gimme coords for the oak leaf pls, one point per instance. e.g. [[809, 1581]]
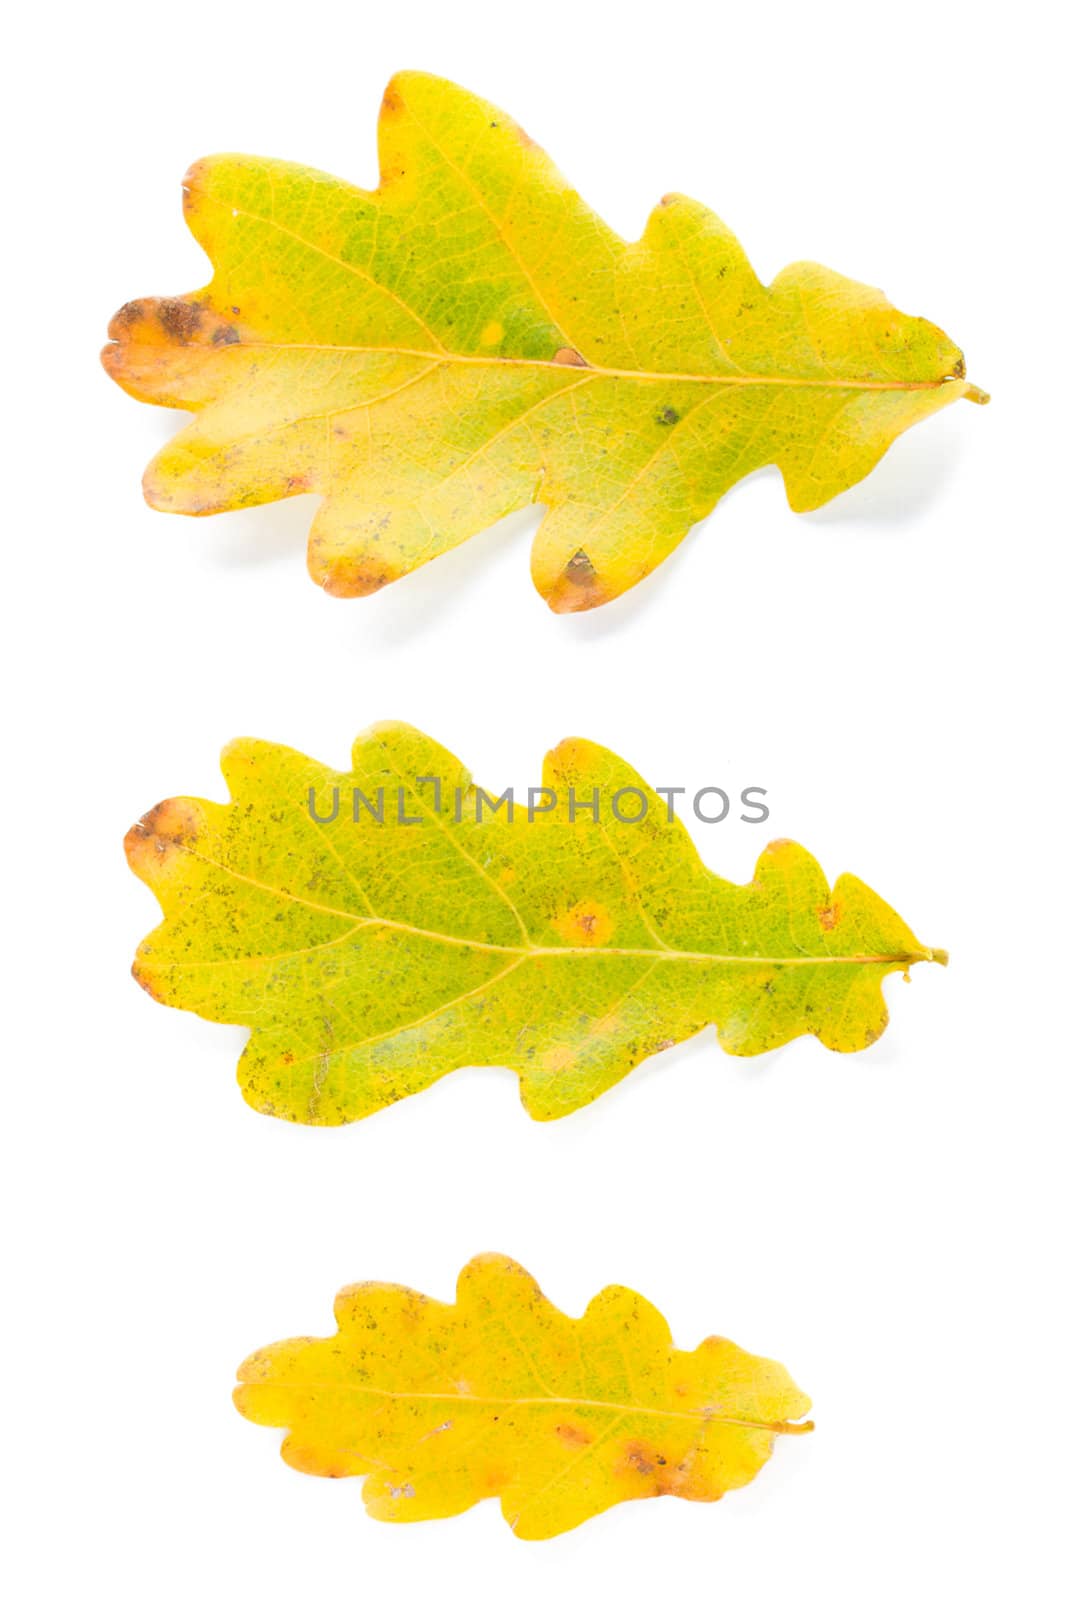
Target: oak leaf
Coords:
[[501, 1395], [470, 337], [370, 957]]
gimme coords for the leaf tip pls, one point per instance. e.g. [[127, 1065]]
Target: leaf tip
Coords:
[[153, 491], [570, 755], [347, 577], [142, 979], [168, 827], [196, 173]]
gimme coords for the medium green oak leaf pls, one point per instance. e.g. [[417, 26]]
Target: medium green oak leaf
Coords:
[[470, 337], [370, 957]]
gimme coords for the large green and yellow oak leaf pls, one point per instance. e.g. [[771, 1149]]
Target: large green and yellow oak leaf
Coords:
[[370, 958], [470, 337], [502, 1396]]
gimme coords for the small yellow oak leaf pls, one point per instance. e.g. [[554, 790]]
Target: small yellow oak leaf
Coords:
[[470, 337], [379, 928], [502, 1396]]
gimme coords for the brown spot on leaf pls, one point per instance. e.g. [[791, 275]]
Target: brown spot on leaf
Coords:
[[658, 1474], [567, 357], [576, 1438], [126, 317], [145, 334], [581, 569], [578, 587], [829, 915], [169, 322], [180, 319], [637, 1458]]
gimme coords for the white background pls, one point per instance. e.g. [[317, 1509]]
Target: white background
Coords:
[[887, 1224]]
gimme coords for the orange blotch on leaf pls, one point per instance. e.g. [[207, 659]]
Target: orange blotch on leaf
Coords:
[[557, 1059], [586, 923], [160, 834], [349, 578], [392, 102]]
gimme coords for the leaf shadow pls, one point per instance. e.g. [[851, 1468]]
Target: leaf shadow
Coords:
[[914, 475], [254, 536], [261, 536], [402, 611], [620, 614]]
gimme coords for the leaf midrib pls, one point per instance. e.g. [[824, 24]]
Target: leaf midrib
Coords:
[[592, 370], [526, 951], [508, 1403]]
